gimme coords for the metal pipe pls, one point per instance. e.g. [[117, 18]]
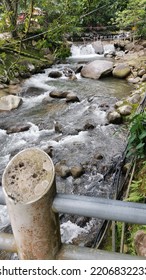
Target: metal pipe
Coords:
[[72, 252], [7, 242], [69, 252], [29, 187], [106, 209]]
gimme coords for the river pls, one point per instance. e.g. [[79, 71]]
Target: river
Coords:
[[76, 133]]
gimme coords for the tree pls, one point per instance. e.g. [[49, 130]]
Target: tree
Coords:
[[11, 7], [133, 17]]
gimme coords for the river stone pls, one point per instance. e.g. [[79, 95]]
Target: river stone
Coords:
[[98, 47], [62, 170], [72, 77], [143, 78], [68, 72], [134, 80], [140, 243], [134, 99], [15, 81], [77, 171], [18, 128], [125, 110], [14, 89], [97, 69], [55, 74], [119, 103], [104, 107], [114, 117], [141, 72], [89, 125], [72, 97], [58, 94], [121, 71], [58, 127], [9, 102], [109, 49], [129, 46]]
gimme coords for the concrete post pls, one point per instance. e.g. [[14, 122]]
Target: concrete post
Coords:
[[29, 187]]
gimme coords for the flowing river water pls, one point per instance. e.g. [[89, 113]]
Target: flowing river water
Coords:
[[75, 133]]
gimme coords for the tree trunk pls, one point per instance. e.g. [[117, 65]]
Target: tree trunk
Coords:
[[12, 9], [30, 16]]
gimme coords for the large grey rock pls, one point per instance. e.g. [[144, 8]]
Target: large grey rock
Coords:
[[9, 102], [122, 70], [96, 69], [98, 47], [109, 49]]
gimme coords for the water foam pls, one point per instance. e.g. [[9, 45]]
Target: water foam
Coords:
[[69, 231]]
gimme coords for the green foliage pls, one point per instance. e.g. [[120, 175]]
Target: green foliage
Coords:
[[133, 16], [137, 139], [135, 192]]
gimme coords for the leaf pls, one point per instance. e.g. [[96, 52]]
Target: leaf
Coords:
[[140, 145], [143, 135]]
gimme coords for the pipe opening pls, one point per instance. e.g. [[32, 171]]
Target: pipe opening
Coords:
[[28, 176]]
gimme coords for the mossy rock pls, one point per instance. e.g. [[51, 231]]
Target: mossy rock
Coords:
[[121, 71]]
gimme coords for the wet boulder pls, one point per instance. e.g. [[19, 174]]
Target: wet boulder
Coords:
[[9, 102], [114, 117], [77, 171], [143, 78], [134, 80], [125, 110], [62, 170], [58, 94], [72, 97], [109, 49], [98, 47], [134, 99], [141, 72], [70, 74], [18, 128], [121, 71], [55, 74], [97, 69]]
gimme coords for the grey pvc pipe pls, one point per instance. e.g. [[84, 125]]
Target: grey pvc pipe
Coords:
[[106, 209], [29, 188], [72, 252]]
